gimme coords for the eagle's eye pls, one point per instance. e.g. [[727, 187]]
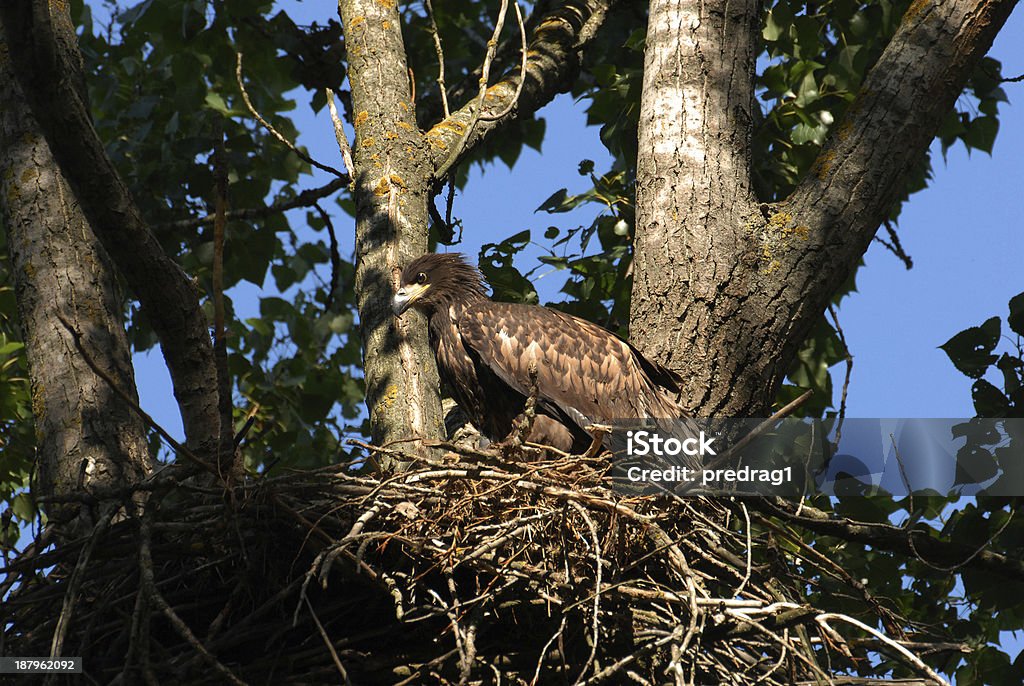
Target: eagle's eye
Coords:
[[421, 278]]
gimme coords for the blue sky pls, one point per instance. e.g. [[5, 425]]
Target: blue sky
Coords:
[[964, 233]]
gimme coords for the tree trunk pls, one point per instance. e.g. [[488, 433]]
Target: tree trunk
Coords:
[[44, 54], [89, 438], [391, 185], [725, 290], [693, 193]]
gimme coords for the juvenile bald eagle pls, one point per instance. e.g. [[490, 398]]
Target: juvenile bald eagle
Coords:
[[484, 350]]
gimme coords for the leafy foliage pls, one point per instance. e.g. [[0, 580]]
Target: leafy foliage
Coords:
[[162, 99], [973, 352], [17, 437]]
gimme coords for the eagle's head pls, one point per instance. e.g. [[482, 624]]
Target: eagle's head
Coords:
[[435, 279]]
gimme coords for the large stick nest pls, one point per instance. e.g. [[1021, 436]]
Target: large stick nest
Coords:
[[461, 570]]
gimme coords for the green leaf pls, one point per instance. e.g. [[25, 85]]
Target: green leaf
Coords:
[[1016, 318], [981, 133], [989, 401], [23, 507], [970, 351], [554, 201]]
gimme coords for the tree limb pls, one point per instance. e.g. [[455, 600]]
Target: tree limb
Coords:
[[823, 229], [911, 542], [306, 198], [43, 49], [551, 66]]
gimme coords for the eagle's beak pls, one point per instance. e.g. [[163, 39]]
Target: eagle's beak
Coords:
[[406, 297]]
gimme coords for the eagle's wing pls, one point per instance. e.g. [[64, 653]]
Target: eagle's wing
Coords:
[[590, 374]]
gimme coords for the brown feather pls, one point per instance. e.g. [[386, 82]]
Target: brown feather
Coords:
[[484, 349]]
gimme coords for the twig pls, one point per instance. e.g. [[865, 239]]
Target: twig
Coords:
[[327, 642], [914, 660], [225, 463], [895, 247], [746, 576], [596, 623], [77, 577], [485, 72], [339, 134], [335, 256], [791, 407], [440, 59], [849, 371], [306, 198], [274, 132]]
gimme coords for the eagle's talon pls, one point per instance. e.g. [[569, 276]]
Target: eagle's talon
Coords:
[[597, 433]]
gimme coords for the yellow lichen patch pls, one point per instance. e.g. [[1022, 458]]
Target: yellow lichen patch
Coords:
[[436, 141], [390, 135], [12, 188], [779, 221], [388, 399], [382, 188], [823, 164], [801, 232], [369, 142], [357, 23], [398, 181], [914, 9], [772, 267], [361, 118], [385, 24], [783, 224], [388, 4], [38, 404], [404, 126], [450, 125]]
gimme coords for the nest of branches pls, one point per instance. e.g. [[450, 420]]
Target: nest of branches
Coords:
[[462, 569]]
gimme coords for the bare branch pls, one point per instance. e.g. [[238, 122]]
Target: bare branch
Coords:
[[893, 538], [440, 58], [552, 63], [522, 71], [270, 129], [485, 72], [306, 198], [339, 134]]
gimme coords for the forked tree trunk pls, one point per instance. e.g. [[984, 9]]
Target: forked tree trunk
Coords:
[[89, 438], [725, 290]]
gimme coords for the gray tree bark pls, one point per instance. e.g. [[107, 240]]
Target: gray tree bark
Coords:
[[44, 54], [391, 183], [89, 439], [725, 290]]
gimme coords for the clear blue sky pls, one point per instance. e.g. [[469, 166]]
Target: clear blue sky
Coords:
[[964, 233]]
